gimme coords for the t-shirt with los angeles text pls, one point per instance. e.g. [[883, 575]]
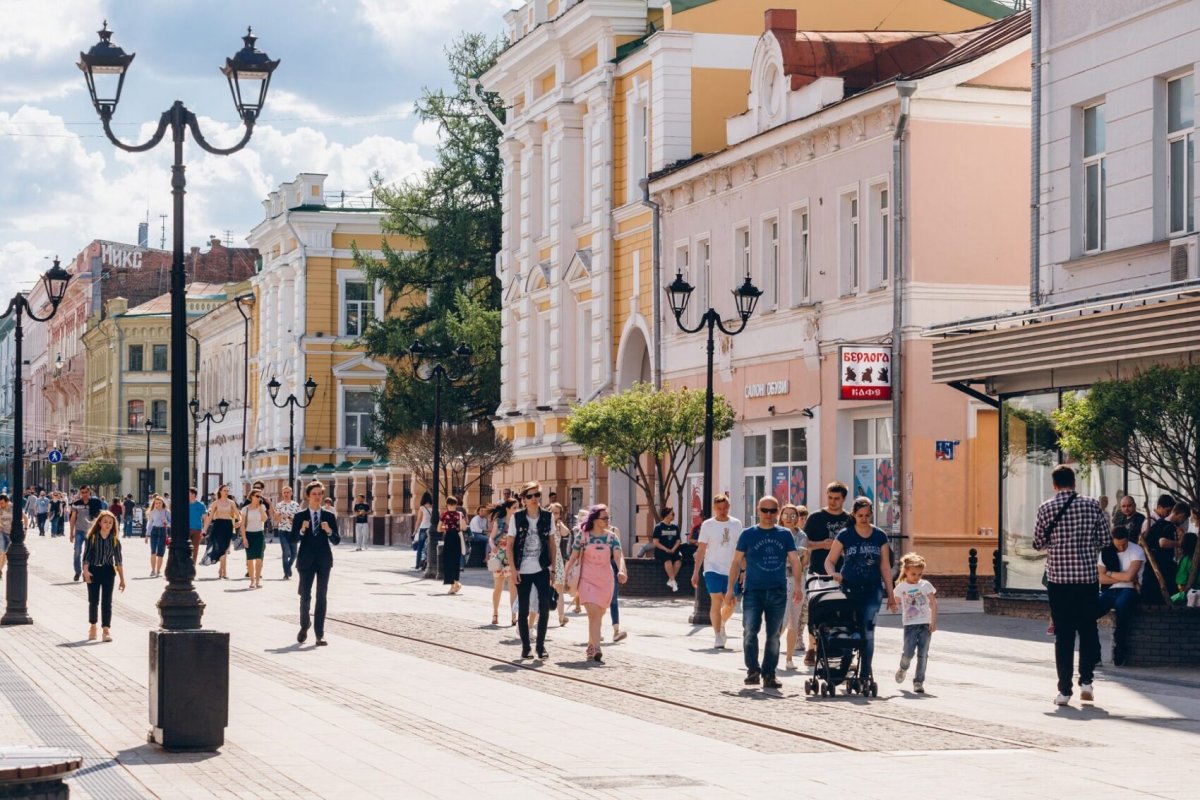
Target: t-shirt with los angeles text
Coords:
[[861, 556], [766, 552], [914, 601], [720, 541]]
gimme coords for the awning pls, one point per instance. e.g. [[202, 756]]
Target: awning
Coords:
[[1155, 331]]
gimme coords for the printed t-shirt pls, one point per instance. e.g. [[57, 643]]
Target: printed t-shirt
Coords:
[[823, 527], [766, 551], [720, 541], [861, 557], [914, 601]]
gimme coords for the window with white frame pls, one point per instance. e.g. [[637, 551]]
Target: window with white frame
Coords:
[[1094, 211], [543, 383], [357, 407], [586, 189], [547, 169], [741, 245], [881, 251], [682, 266], [800, 256], [770, 264], [584, 357], [776, 464], [136, 415], [358, 307], [700, 303], [638, 147], [158, 415], [1181, 154], [873, 478], [754, 475], [849, 243]]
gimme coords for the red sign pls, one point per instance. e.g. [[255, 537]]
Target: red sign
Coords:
[[865, 372]]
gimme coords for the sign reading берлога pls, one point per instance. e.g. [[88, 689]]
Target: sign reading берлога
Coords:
[[865, 372]]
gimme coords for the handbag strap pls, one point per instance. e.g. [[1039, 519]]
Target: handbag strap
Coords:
[[1058, 517]]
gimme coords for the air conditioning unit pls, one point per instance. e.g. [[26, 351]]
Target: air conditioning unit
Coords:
[[1183, 259]]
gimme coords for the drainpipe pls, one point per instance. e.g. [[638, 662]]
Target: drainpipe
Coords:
[[1035, 155], [655, 278], [905, 89], [237, 301], [609, 266]]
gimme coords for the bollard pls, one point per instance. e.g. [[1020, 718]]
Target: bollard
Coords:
[[996, 570], [972, 579]]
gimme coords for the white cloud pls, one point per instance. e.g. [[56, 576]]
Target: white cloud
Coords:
[[289, 107], [23, 263], [48, 30], [428, 133], [407, 21]]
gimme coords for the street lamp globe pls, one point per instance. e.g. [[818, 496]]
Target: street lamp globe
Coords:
[[58, 363], [148, 425], [310, 389], [745, 297], [679, 292], [273, 388], [223, 406], [464, 351], [55, 281], [249, 74], [105, 66], [194, 406], [416, 351]]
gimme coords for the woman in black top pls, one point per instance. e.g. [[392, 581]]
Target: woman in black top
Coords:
[[102, 563], [666, 547]]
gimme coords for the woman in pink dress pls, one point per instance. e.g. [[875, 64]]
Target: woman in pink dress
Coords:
[[596, 549]]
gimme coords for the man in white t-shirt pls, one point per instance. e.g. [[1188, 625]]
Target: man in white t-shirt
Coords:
[[715, 547], [1119, 587]]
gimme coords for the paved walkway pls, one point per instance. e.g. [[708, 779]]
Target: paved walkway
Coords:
[[419, 696]]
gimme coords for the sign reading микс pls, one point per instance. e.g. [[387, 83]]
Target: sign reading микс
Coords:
[[865, 372]]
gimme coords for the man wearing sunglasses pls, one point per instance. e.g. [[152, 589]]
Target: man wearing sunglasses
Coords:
[[765, 551], [531, 550]]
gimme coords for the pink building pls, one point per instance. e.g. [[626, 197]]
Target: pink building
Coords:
[[809, 202]]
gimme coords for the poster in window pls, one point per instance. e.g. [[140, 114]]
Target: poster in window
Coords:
[[864, 478], [779, 483], [798, 490], [695, 501], [884, 481]]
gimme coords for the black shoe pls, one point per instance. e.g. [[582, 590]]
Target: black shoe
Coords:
[[752, 678], [321, 642], [76, 576], [543, 655], [526, 654], [302, 635], [771, 682]]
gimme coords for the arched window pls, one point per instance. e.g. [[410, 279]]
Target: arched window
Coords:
[[137, 415]]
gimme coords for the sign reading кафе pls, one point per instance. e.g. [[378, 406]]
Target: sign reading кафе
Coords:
[[865, 372]]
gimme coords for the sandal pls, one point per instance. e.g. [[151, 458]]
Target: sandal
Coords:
[[106, 636], [563, 620], [514, 621], [92, 633], [495, 619]]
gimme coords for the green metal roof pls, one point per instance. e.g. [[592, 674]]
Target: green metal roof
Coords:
[[364, 463], [326, 469], [311, 469], [345, 466]]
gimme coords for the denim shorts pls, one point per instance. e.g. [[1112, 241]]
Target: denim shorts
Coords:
[[158, 541]]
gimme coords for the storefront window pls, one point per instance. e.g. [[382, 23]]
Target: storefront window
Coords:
[[784, 474], [873, 478], [1029, 452]]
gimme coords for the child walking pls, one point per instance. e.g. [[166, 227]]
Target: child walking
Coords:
[[918, 609]]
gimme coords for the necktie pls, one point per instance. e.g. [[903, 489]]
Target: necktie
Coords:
[[316, 523]]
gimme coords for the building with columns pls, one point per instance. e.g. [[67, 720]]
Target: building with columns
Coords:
[[311, 304], [602, 93]]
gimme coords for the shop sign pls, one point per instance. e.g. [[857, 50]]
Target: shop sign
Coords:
[[770, 389], [121, 256], [865, 372]]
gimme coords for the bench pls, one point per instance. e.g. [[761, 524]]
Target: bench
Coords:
[[36, 773]]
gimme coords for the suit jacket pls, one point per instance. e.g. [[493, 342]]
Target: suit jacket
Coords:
[[315, 546]]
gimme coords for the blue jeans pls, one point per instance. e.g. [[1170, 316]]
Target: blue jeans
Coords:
[[289, 552], [128, 525], [80, 537], [1123, 601], [757, 604], [916, 642], [867, 600], [419, 545], [614, 608]]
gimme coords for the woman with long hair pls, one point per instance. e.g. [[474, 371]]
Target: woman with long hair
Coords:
[[224, 517], [424, 517], [793, 518], [498, 559], [596, 550], [102, 564], [254, 536], [158, 521], [865, 573], [560, 569]]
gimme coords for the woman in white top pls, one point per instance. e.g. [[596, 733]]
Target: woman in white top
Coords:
[[253, 529], [424, 522], [158, 520]]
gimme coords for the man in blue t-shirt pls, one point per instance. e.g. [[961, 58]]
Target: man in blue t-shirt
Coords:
[[765, 551], [197, 519]]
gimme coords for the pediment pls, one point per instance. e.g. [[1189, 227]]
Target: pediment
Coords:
[[580, 267], [538, 279], [360, 367]]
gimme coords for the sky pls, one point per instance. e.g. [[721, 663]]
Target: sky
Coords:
[[339, 103]]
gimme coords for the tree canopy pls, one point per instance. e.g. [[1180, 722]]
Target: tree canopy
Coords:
[[96, 472], [623, 429], [446, 292]]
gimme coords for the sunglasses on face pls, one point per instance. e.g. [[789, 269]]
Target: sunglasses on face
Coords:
[[768, 511], [533, 496], [603, 518]]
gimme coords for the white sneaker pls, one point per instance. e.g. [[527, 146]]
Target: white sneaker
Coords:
[[900, 673], [1086, 693], [1062, 700], [720, 641], [674, 586]]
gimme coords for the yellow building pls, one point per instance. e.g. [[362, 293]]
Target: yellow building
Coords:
[[602, 93], [311, 304], [128, 383]]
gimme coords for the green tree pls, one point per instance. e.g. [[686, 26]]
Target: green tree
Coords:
[[622, 429], [447, 292], [470, 453], [1148, 423], [96, 472]]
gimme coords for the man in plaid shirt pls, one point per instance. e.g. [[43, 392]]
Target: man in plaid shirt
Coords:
[[1072, 529]]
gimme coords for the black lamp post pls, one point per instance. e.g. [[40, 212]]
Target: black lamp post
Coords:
[[17, 590], [148, 483], [291, 403], [745, 298], [180, 608], [428, 366], [208, 419]]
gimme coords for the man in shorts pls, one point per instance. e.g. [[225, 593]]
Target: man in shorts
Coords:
[[714, 554]]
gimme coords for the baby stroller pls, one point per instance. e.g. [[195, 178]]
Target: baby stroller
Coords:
[[833, 621]]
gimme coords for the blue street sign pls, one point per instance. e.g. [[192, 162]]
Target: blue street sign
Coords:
[[54, 456]]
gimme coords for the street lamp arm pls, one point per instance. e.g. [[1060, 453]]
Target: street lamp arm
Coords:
[[721, 325], [701, 325], [194, 126], [164, 122], [21, 303]]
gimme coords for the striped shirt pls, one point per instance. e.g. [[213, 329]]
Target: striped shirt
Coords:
[[1073, 547], [102, 551]]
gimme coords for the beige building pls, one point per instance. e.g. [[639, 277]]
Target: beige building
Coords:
[[128, 383]]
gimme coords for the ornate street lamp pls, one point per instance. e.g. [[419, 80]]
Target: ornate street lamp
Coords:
[[208, 419], [745, 299], [433, 364], [291, 403], [180, 608], [17, 589]]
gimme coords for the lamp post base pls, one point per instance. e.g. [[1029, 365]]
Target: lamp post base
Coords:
[[17, 586], [702, 607], [187, 712]]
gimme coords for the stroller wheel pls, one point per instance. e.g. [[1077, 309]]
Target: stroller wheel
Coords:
[[807, 688], [874, 689]]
